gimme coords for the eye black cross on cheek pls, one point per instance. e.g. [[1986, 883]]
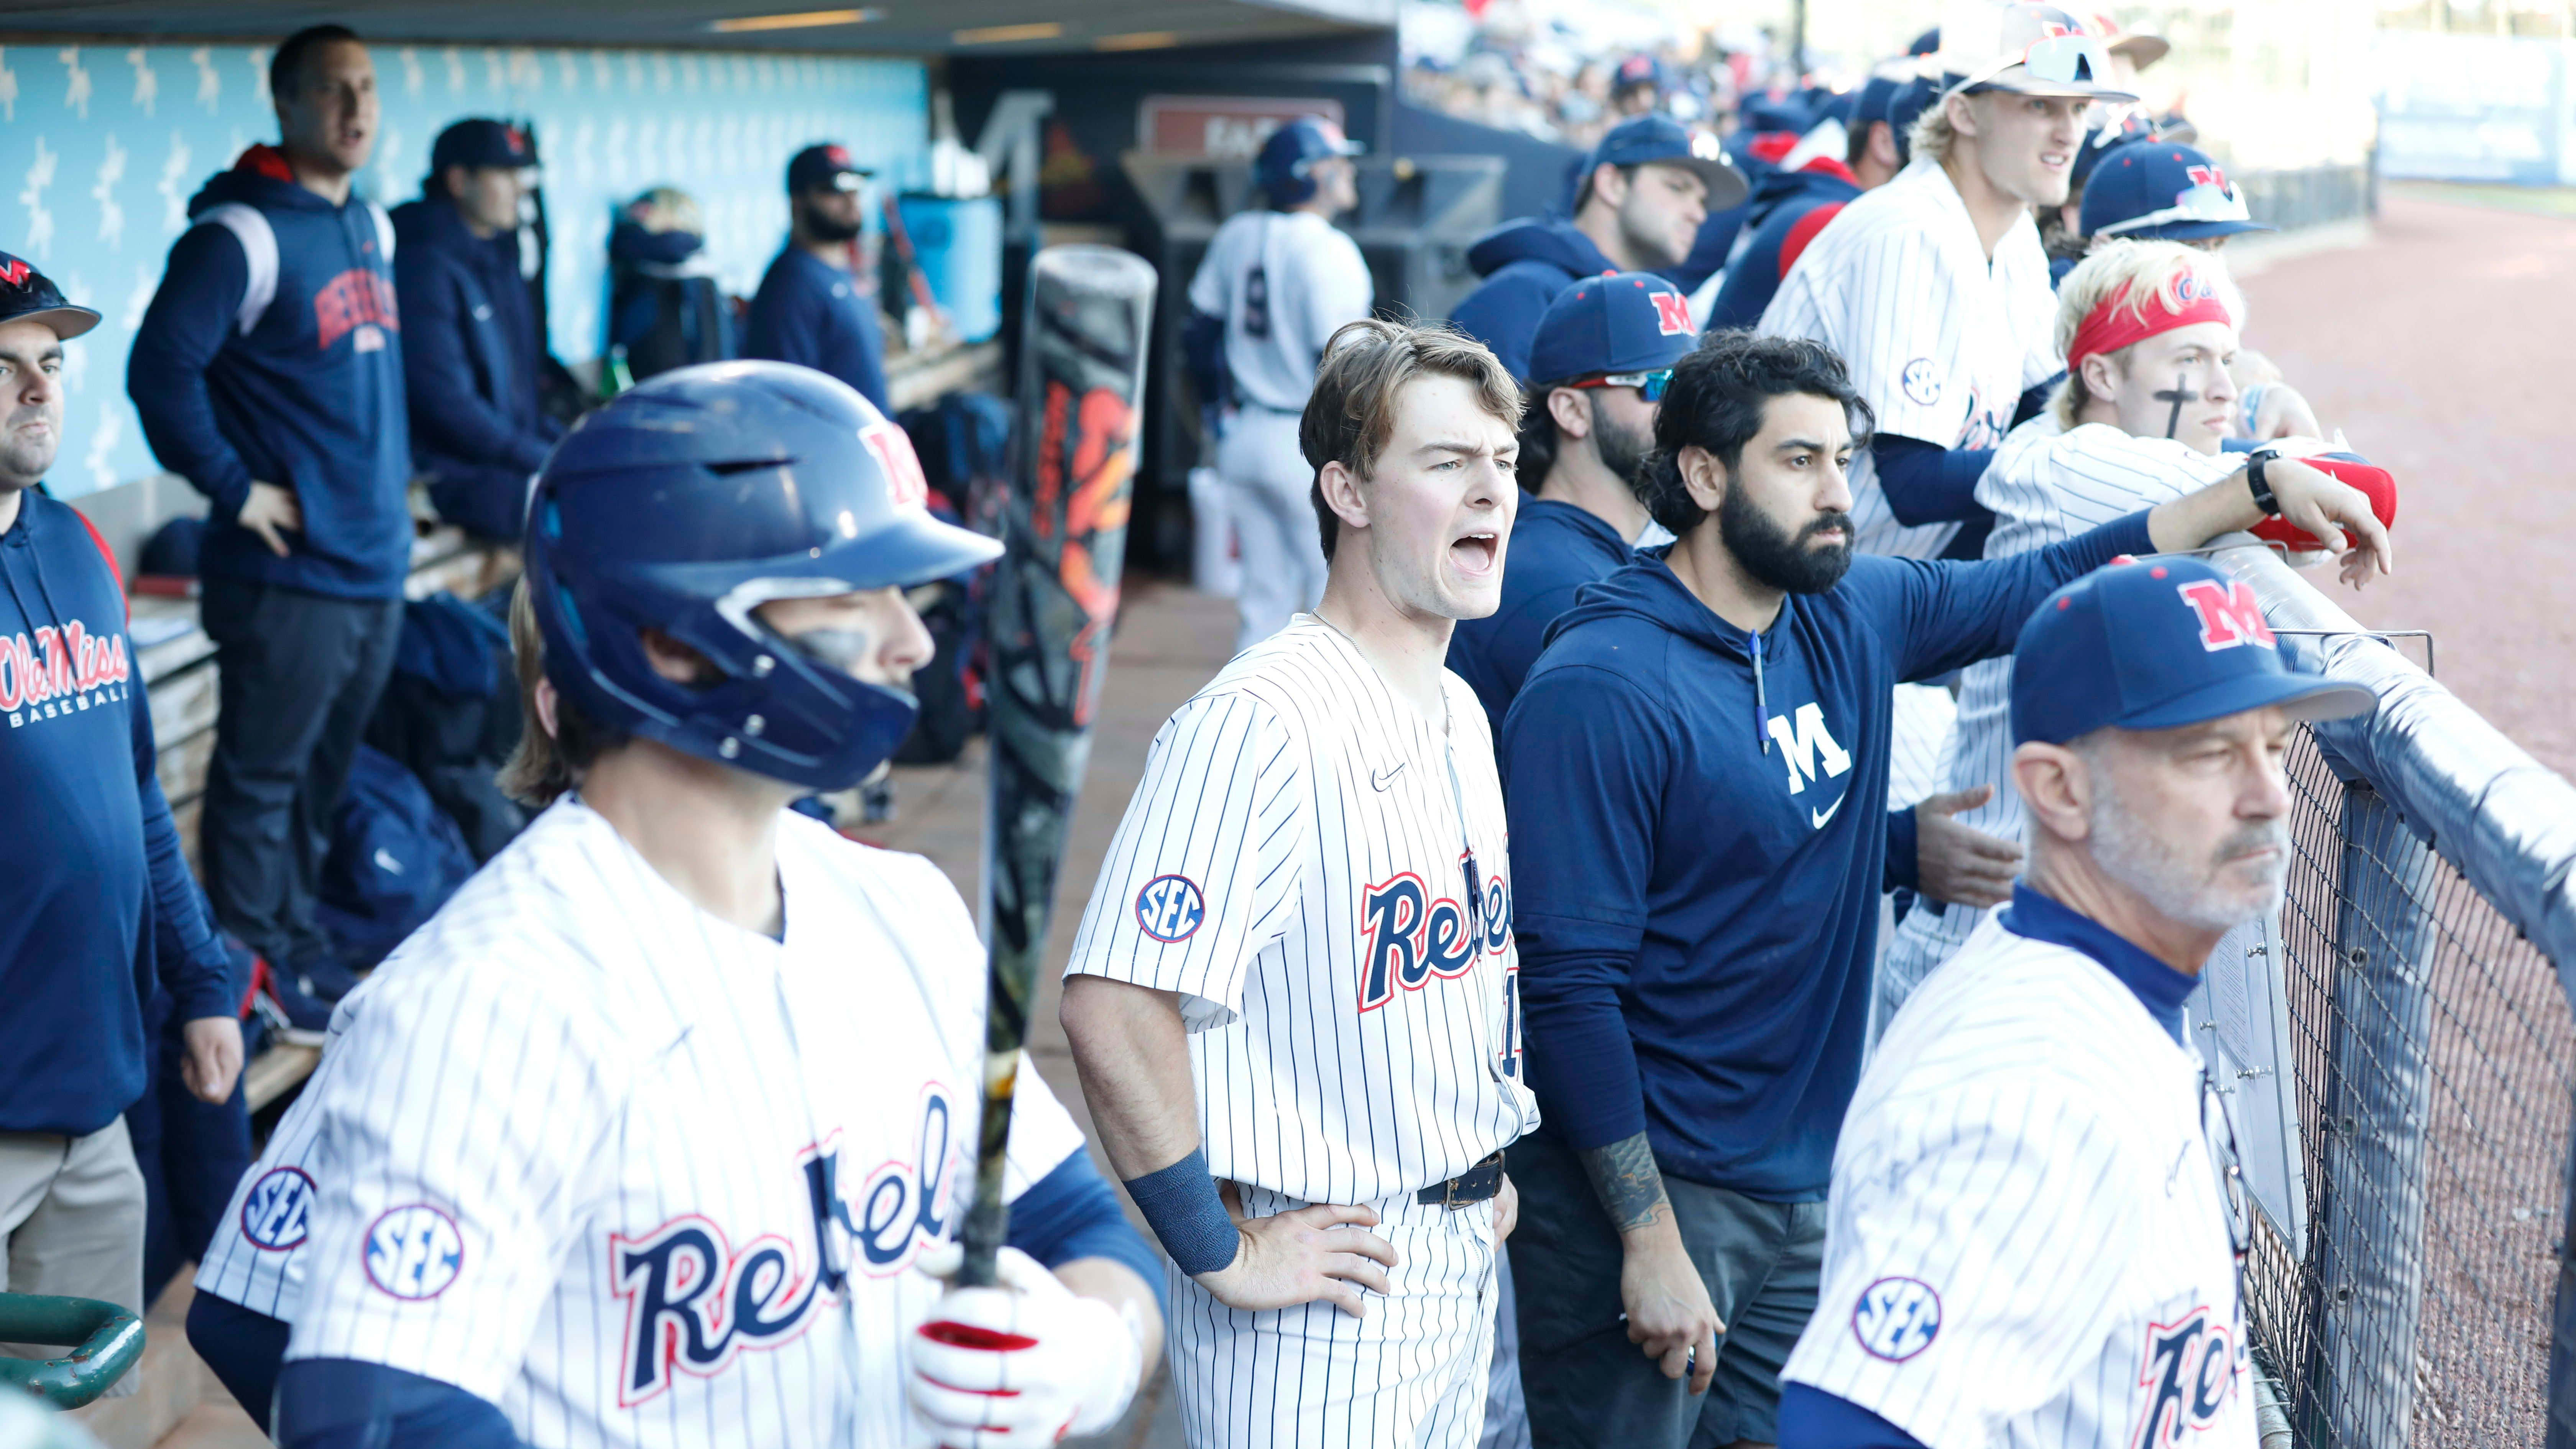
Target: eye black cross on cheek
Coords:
[[2181, 394]]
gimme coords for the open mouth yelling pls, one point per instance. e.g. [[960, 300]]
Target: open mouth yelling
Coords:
[[1477, 554]]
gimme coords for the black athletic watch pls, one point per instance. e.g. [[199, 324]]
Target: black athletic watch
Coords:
[[2263, 498]]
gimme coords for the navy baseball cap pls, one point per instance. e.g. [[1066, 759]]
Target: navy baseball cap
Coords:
[[2157, 643], [2163, 189], [1928, 43], [2101, 141], [1767, 113], [826, 168], [476, 141], [1643, 140], [1619, 323], [28, 295], [1641, 70], [1874, 99]]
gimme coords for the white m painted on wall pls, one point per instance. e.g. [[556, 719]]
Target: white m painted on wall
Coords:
[[1802, 738]]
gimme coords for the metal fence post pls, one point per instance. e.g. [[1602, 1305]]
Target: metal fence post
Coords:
[[2559, 1427], [2370, 1268]]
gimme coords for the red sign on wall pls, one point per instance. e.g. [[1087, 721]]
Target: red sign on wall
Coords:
[[1232, 126]]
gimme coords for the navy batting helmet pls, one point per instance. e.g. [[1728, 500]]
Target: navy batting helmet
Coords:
[[689, 502], [1286, 165]]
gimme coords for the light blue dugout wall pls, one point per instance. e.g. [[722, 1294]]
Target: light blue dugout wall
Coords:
[[101, 147]]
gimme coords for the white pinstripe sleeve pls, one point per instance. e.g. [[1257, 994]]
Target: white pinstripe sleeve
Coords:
[[1975, 1260], [1903, 357], [1204, 871], [458, 1135]]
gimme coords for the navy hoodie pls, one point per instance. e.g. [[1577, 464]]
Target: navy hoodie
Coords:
[[470, 361], [94, 859], [1525, 264], [310, 396], [1695, 907], [1787, 198], [1555, 549], [810, 312]]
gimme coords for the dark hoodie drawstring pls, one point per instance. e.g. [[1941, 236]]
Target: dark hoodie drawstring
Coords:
[[1761, 704]]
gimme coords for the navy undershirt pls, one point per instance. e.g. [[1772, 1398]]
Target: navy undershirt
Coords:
[[2159, 988]]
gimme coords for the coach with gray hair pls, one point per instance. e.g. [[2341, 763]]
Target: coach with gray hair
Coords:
[[1696, 907]]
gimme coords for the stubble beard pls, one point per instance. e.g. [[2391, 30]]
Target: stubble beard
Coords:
[[2178, 889]]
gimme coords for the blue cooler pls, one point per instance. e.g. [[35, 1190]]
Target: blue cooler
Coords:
[[959, 244]]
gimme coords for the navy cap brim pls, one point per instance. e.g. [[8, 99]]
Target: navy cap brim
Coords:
[[67, 321], [2190, 230], [2302, 697]]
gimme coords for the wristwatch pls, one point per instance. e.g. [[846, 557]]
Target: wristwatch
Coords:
[[2263, 498]]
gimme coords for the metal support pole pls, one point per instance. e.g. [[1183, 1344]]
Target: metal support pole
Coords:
[[2370, 1264], [2559, 1430]]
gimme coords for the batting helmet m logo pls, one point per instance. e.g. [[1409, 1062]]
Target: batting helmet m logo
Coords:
[[2230, 614]]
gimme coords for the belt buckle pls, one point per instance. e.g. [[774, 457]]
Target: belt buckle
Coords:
[[1449, 1195]]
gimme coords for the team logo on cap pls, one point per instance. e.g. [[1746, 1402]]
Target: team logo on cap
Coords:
[[1672, 314], [2206, 176], [1919, 383], [1170, 908], [1896, 1318], [16, 272], [2231, 615]]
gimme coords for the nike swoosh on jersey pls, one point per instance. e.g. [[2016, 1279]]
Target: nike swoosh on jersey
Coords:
[[1821, 816], [1379, 778]]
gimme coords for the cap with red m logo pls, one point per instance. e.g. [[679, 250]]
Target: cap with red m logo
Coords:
[[2158, 643], [27, 295], [1615, 323]]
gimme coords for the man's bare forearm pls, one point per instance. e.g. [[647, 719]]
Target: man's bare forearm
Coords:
[[1629, 1185], [1132, 1052]]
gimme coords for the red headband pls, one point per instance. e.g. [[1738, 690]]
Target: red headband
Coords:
[[2114, 324]]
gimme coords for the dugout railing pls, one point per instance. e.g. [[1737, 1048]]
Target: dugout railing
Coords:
[[2406, 1050]]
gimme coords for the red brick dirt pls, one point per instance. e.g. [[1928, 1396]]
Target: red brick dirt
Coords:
[[2441, 348]]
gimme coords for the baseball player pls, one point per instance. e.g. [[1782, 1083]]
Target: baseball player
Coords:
[[2147, 334], [1934, 289], [1291, 999], [1274, 285], [661, 1123], [2038, 1225], [2164, 189]]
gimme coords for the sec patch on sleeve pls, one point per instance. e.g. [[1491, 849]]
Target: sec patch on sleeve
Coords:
[[414, 1253], [1170, 908], [273, 1215], [1919, 382], [1896, 1318]]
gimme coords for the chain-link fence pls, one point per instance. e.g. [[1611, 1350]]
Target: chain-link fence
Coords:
[[2430, 1053]]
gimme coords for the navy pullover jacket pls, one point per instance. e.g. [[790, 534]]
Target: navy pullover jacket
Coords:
[[1786, 199], [1525, 264], [309, 395], [470, 362], [1696, 909], [1556, 548], [96, 860], [808, 311]]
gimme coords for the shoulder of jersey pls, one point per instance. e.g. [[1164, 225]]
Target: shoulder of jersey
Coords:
[[2012, 1009], [553, 921], [1465, 708]]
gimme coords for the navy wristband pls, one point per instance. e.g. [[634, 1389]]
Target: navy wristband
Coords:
[[1181, 1204]]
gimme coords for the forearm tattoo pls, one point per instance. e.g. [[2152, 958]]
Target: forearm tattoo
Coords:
[[1625, 1178]]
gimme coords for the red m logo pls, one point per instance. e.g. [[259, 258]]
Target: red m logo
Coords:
[[2207, 176], [16, 273], [1672, 313], [2230, 614]]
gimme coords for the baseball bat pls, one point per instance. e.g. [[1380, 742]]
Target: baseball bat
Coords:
[[1054, 597]]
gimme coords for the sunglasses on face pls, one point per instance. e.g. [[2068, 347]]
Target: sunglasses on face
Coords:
[[1649, 385]]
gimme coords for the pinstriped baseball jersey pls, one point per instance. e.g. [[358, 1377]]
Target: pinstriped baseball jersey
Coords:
[[1940, 341], [2027, 1245], [1282, 280], [2045, 485], [1294, 865], [256, 1257], [641, 1177]]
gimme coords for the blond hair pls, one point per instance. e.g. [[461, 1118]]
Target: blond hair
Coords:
[[2131, 273], [1933, 133], [545, 764], [1351, 413]]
